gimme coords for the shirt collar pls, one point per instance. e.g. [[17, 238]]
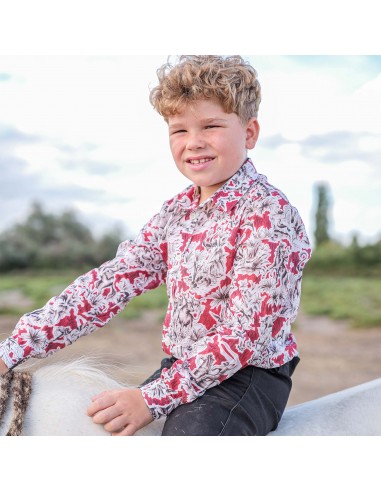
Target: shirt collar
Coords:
[[228, 195]]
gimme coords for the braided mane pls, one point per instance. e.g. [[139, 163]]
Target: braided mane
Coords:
[[22, 388]]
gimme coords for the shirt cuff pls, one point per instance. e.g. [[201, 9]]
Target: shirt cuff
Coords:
[[11, 353], [158, 401]]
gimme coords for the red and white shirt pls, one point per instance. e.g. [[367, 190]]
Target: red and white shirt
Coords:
[[232, 266]]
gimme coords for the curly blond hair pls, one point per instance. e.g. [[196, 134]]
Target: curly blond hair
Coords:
[[231, 80]]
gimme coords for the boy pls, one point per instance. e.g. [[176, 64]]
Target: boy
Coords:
[[231, 250]]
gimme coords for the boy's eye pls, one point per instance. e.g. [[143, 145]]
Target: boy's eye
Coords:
[[178, 131], [211, 126]]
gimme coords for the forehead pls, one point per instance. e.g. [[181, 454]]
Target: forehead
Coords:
[[201, 110]]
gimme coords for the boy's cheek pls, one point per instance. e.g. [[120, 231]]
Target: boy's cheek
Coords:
[[176, 148]]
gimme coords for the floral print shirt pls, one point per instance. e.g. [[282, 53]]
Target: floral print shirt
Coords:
[[232, 267]]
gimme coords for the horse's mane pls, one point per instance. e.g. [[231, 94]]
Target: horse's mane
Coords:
[[86, 368]]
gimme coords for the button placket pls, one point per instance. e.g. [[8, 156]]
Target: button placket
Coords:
[[178, 255], [191, 229]]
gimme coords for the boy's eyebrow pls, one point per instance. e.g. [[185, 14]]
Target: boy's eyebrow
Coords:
[[206, 121], [213, 120]]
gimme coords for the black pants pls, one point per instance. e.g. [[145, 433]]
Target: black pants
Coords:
[[249, 403]]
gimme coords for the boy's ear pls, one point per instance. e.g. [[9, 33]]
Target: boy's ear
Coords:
[[252, 133]]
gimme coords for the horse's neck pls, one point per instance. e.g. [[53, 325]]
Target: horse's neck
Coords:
[[61, 393], [60, 397]]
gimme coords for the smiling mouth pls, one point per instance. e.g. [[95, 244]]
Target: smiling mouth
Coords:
[[197, 162]]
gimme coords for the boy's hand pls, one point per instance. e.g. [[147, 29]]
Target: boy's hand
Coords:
[[3, 368], [122, 412]]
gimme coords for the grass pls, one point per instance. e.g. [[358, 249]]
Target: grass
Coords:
[[357, 299], [40, 287]]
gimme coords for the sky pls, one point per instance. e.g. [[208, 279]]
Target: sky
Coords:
[[78, 132]]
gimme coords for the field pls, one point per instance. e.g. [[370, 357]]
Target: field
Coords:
[[356, 299], [338, 330]]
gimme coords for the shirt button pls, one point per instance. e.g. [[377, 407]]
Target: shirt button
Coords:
[[193, 215]]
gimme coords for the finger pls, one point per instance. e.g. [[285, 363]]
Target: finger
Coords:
[[129, 430], [107, 415], [117, 424], [105, 401]]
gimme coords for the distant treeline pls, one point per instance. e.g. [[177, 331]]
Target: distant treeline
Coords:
[[51, 242], [47, 241], [332, 258]]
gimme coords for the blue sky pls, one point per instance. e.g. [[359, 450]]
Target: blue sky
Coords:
[[78, 132]]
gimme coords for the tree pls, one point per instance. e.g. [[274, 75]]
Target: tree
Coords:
[[322, 215], [54, 241]]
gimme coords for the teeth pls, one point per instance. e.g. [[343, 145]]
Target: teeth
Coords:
[[199, 161]]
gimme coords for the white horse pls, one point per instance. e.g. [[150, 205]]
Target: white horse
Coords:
[[61, 394], [59, 399]]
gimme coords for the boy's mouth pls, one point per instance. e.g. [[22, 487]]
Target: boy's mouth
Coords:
[[200, 163]]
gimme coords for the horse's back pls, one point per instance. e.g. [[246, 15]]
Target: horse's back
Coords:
[[351, 412]]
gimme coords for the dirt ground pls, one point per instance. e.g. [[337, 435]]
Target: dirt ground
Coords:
[[333, 356]]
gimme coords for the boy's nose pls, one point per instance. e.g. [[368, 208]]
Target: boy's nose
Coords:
[[195, 141]]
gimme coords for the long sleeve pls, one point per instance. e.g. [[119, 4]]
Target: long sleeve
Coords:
[[92, 299], [252, 311]]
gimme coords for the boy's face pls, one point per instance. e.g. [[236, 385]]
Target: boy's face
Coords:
[[208, 144]]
